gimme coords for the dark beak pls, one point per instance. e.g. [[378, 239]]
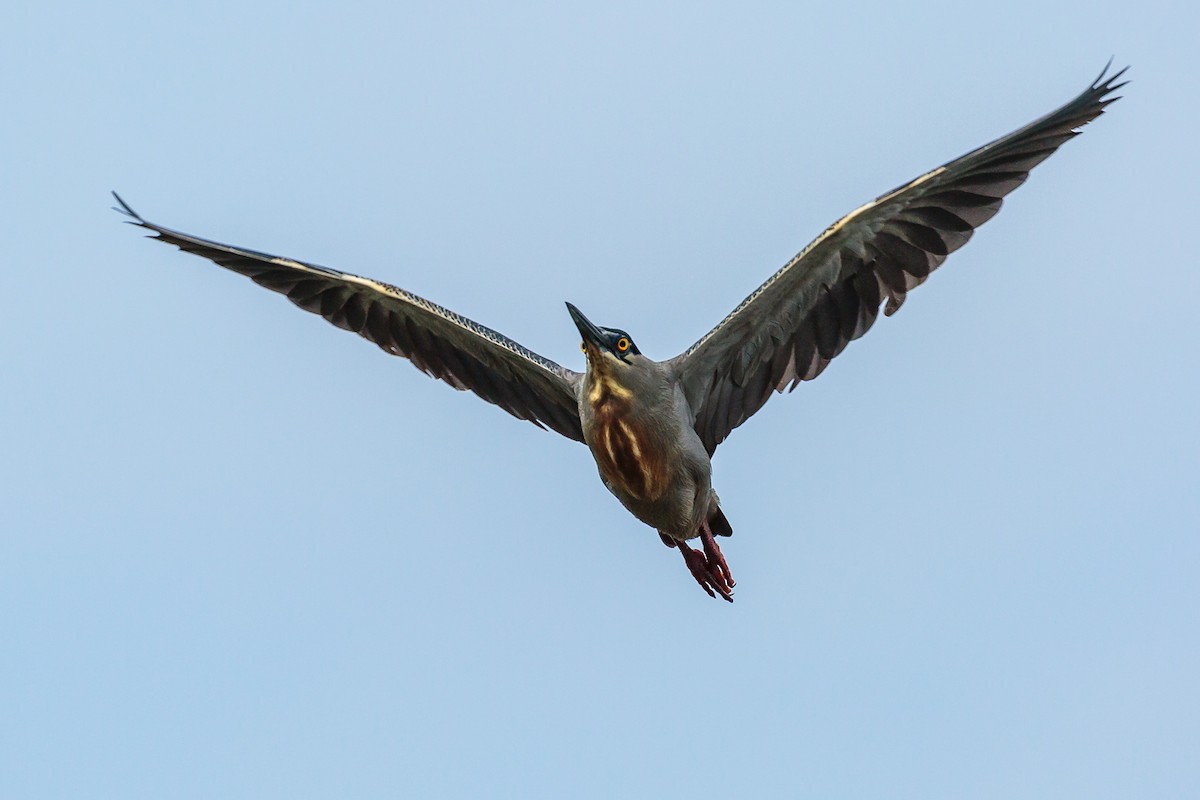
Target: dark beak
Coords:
[[590, 333]]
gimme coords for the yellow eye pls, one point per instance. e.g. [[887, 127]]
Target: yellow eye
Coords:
[[583, 346], [622, 344]]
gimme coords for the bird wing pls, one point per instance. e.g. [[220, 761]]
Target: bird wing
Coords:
[[437, 341], [805, 314]]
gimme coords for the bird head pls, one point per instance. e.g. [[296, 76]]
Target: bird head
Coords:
[[604, 347]]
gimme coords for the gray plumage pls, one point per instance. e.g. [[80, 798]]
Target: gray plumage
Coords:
[[652, 426]]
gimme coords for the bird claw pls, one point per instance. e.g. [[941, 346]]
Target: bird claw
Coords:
[[711, 574], [716, 560]]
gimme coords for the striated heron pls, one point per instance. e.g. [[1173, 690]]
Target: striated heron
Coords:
[[652, 426]]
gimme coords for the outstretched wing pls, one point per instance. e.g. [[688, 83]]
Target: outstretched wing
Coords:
[[793, 325], [437, 341]]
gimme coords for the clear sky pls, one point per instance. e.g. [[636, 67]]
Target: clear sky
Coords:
[[245, 554]]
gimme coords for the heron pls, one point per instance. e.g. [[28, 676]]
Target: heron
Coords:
[[653, 426]]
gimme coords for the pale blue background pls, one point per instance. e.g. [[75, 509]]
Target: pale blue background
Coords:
[[247, 555]]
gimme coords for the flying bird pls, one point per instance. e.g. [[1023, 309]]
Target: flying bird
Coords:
[[653, 426]]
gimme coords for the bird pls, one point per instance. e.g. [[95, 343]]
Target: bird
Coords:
[[652, 427]]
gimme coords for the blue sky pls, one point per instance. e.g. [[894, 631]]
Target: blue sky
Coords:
[[247, 555]]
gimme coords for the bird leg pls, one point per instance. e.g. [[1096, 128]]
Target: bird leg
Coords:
[[707, 567], [716, 559]]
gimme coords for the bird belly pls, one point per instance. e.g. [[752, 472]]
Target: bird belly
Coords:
[[648, 469]]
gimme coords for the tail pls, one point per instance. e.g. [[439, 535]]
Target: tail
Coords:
[[719, 525]]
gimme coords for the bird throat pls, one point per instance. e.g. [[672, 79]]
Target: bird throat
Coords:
[[624, 450]]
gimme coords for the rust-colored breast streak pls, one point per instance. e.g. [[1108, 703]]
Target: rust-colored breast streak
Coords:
[[623, 453]]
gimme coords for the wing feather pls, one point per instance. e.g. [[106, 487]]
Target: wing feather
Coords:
[[439, 342], [803, 316]]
